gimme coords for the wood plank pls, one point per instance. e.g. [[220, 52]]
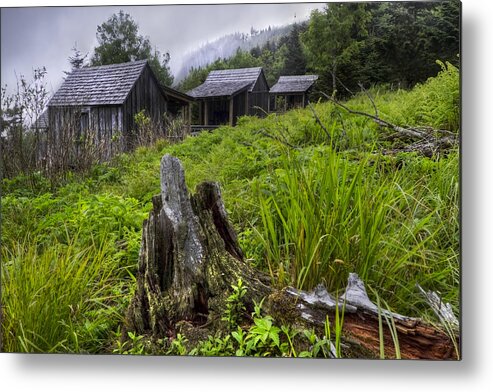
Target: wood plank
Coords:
[[247, 111], [231, 110], [206, 113]]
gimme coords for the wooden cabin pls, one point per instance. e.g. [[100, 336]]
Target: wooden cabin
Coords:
[[228, 94], [291, 92], [102, 102]]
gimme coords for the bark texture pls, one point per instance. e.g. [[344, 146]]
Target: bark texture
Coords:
[[188, 260]]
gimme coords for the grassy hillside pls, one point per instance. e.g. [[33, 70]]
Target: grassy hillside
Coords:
[[310, 205]]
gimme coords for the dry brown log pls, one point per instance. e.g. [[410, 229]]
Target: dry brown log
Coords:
[[190, 258]]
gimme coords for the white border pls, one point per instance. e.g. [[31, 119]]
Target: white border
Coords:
[[111, 373]]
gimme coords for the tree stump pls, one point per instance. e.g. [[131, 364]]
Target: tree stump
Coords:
[[190, 258]]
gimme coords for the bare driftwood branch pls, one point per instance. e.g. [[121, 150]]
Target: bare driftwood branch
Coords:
[[406, 131], [341, 83], [442, 310], [369, 97]]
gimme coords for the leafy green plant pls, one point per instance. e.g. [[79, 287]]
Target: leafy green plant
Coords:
[[214, 346], [134, 346], [263, 337], [234, 305], [178, 345]]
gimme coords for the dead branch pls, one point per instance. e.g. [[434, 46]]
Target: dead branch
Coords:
[[273, 137], [428, 141], [441, 309], [317, 119], [369, 97]]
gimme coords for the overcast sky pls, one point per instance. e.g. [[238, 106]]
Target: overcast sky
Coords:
[[44, 36]]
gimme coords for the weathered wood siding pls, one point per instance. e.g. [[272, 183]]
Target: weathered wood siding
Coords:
[[218, 111], [239, 109], [106, 125], [145, 95], [259, 97]]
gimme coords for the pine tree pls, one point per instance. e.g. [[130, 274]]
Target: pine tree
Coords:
[[77, 59], [295, 63]]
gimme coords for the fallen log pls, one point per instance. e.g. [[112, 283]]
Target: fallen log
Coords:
[[190, 258], [414, 338]]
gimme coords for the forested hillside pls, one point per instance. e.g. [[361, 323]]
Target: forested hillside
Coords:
[[392, 43]]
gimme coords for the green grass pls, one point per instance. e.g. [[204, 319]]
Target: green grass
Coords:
[[308, 214], [63, 299], [324, 216]]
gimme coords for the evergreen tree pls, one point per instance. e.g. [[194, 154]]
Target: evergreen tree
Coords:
[[119, 41], [295, 63], [255, 51], [160, 65], [77, 59]]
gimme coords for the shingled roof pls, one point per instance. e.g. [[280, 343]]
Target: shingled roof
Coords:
[[227, 82], [103, 85], [293, 84]]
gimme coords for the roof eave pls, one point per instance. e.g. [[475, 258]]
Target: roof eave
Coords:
[[178, 94]]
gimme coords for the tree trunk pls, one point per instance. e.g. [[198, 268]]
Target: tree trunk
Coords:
[[190, 258]]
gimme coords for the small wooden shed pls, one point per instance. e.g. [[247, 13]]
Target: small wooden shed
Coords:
[[291, 92], [227, 94], [105, 100]]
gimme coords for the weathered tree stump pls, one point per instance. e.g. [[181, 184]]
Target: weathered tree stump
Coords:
[[190, 258]]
